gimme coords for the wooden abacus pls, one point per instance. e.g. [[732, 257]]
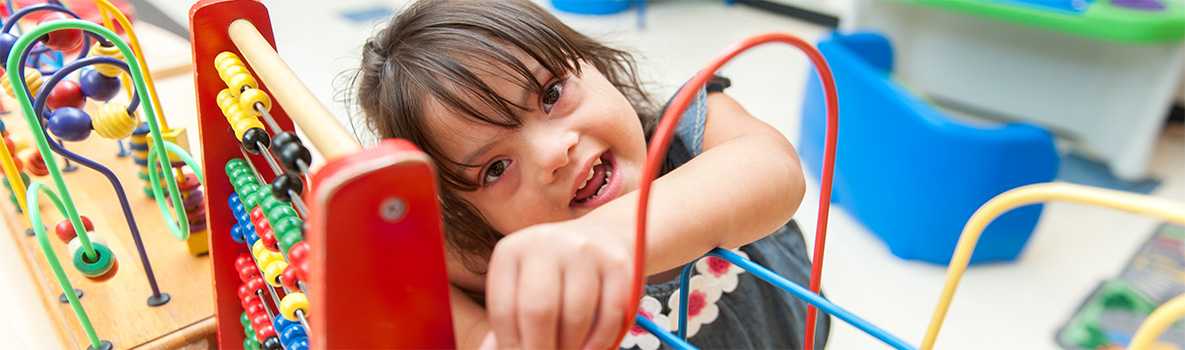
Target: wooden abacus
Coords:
[[373, 202], [114, 301]]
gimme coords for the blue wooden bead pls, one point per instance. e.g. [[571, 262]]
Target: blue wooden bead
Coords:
[[236, 233], [292, 332], [7, 41], [301, 343], [70, 124], [97, 86]]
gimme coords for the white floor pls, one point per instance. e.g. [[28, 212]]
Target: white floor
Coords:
[[1010, 306]]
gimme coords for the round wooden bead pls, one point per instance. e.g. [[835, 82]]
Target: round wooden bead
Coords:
[[255, 284], [286, 183], [65, 229], [7, 41], [34, 164], [97, 86], [114, 121], [291, 303], [64, 40], [272, 272], [70, 124], [260, 320], [242, 260], [246, 273], [255, 137], [298, 254], [244, 320], [288, 278], [66, 94], [272, 343], [236, 233], [249, 343], [254, 309], [244, 294], [250, 98], [109, 70], [301, 343], [96, 266]]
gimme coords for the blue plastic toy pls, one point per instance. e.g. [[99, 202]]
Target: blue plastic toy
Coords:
[[909, 173]]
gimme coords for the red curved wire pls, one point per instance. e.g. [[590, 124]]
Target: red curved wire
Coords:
[[662, 139]]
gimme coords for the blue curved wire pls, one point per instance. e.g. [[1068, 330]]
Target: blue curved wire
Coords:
[[809, 297], [667, 338]]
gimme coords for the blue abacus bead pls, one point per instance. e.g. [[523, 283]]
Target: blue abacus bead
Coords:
[[70, 124], [249, 233], [301, 343], [292, 332], [7, 41], [236, 206], [97, 86], [236, 233]]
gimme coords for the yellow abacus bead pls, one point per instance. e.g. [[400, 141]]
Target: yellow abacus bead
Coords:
[[292, 302], [113, 121], [257, 248], [272, 272], [226, 58], [226, 98], [240, 82], [107, 70], [248, 99]]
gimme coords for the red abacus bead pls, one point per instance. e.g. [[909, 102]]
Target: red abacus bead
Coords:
[[247, 273], [62, 40], [298, 253], [256, 283], [288, 278], [244, 259], [250, 300], [257, 214], [269, 239], [66, 94], [260, 320], [11, 145], [254, 308], [265, 332], [244, 293]]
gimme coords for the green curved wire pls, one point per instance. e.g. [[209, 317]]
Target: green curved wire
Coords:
[[34, 213], [154, 175], [21, 93]]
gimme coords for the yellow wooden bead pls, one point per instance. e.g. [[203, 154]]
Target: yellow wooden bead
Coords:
[[113, 121], [292, 302], [226, 98], [257, 248], [107, 70], [272, 272], [239, 82], [248, 99]]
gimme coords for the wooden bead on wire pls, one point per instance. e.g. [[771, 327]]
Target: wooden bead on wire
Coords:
[[33, 80], [107, 70], [114, 121], [234, 73], [98, 86], [240, 120], [252, 97], [70, 124], [34, 164], [64, 40], [286, 183], [100, 267], [291, 152], [66, 94], [65, 229], [272, 272], [288, 278], [291, 303]]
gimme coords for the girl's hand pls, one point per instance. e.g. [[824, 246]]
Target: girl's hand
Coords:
[[560, 285]]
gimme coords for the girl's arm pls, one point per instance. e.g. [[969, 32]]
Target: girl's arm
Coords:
[[745, 184], [470, 325]]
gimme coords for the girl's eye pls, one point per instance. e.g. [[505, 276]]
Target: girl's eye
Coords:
[[551, 95], [494, 171]]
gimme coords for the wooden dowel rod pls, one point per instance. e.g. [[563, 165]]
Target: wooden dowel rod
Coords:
[[327, 135]]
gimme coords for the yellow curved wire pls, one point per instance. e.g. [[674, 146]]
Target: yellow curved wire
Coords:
[[14, 178], [1158, 322], [1032, 194], [107, 11]]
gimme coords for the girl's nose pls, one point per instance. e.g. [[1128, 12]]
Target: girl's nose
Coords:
[[555, 151]]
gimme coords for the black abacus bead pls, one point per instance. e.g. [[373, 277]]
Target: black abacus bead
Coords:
[[292, 154], [284, 183], [272, 343], [255, 137]]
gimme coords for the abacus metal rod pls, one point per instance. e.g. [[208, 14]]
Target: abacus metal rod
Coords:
[[293, 197], [276, 130], [326, 134]]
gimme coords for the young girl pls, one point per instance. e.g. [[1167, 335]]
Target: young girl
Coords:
[[539, 134]]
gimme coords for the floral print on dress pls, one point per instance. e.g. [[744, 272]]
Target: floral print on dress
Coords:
[[721, 270], [637, 336], [701, 305]]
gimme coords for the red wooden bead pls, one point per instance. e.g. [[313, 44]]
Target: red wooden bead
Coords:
[[65, 229], [269, 239], [106, 275], [247, 273], [256, 283], [254, 309], [260, 320], [66, 94], [288, 278], [257, 214], [244, 259], [265, 332], [250, 300], [36, 165], [62, 40], [11, 145], [244, 292]]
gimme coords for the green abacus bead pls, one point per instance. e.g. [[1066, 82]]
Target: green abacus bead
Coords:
[[94, 267], [234, 163], [286, 223], [250, 196], [288, 241], [244, 320], [250, 344]]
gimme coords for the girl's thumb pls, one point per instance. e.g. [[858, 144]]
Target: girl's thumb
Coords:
[[489, 343]]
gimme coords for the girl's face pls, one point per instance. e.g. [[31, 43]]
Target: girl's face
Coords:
[[580, 145]]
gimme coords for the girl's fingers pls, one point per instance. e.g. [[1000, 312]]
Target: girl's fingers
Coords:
[[489, 342], [610, 311], [501, 300], [539, 303], [581, 287]]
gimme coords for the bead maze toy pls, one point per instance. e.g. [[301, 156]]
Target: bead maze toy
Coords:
[[350, 254], [92, 231]]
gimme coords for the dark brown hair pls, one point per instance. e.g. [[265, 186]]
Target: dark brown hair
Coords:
[[436, 49]]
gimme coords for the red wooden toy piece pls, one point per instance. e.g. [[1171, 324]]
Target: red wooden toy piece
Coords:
[[65, 230]]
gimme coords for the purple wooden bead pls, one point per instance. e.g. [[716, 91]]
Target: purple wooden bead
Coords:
[[97, 86], [70, 124]]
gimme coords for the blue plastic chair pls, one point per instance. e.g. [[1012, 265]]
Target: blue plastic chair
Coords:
[[912, 175]]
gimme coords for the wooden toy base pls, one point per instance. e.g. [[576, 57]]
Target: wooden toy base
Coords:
[[118, 308]]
